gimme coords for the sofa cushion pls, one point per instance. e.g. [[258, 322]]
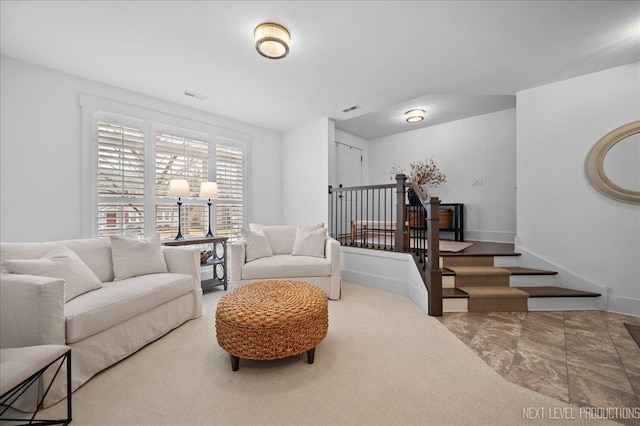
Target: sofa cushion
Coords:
[[310, 242], [281, 238], [62, 263], [119, 301], [286, 266], [256, 245], [133, 257], [94, 252]]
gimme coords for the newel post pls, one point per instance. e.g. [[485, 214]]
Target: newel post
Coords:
[[400, 213], [434, 273]]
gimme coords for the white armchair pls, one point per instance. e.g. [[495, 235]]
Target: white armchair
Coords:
[[282, 260]]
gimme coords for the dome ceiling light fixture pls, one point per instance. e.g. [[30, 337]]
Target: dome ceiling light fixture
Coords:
[[414, 115], [272, 40]]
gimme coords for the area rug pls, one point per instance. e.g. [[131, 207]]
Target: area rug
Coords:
[[634, 331], [384, 361], [454, 246]]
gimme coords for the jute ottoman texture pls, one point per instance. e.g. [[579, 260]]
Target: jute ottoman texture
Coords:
[[273, 319]]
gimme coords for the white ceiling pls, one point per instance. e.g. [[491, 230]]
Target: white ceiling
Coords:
[[438, 109], [379, 55]]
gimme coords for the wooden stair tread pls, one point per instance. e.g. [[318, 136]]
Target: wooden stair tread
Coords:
[[556, 292], [453, 293], [489, 253], [516, 270]]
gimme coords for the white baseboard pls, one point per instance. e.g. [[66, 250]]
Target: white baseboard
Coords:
[[564, 278], [563, 304], [624, 305]]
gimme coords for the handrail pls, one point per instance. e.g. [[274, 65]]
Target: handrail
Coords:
[[358, 188], [371, 217]]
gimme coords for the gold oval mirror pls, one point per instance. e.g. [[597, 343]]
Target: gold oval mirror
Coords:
[[595, 170]]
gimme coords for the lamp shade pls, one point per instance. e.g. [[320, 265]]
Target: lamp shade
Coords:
[[178, 188], [209, 190], [272, 40], [414, 115]]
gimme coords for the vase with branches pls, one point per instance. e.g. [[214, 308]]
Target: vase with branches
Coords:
[[426, 174]]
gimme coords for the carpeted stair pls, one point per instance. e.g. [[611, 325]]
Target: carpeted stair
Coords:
[[487, 286]]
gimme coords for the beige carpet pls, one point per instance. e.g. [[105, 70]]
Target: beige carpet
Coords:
[[383, 362]]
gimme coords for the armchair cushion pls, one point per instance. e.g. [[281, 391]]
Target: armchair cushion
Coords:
[[256, 245], [59, 263], [281, 238], [133, 257], [286, 266], [310, 242], [322, 270]]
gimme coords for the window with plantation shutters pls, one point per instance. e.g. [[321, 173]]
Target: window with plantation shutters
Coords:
[[180, 158], [130, 155], [230, 178], [120, 179]]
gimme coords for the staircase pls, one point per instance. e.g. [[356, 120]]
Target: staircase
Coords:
[[490, 282], [482, 277]]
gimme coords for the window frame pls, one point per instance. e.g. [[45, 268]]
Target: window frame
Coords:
[[118, 121], [93, 108]]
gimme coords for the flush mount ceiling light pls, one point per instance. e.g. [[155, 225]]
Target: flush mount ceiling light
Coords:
[[272, 40], [414, 115]]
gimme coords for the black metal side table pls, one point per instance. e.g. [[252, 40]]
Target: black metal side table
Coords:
[[458, 220]]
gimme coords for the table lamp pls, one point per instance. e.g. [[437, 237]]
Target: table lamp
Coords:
[[179, 188], [209, 190]]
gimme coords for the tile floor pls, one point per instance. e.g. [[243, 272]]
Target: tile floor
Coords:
[[586, 358]]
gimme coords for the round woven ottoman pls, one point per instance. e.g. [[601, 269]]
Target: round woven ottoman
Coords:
[[273, 319]]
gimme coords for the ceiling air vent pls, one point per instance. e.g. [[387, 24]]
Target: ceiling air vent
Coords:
[[195, 95], [350, 108]]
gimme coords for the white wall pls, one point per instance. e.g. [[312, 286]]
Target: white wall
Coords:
[[481, 147], [305, 169], [384, 270], [40, 152], [561, 218]]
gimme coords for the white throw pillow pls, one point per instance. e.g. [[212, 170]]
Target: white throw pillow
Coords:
[[281, 237], [132, 257], [310, 242], [256, 245], [62, 263]]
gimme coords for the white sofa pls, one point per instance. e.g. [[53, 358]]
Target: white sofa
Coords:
[[101, 326], [322, 270]]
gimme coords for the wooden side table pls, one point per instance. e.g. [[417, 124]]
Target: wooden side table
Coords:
[[218, 258]]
